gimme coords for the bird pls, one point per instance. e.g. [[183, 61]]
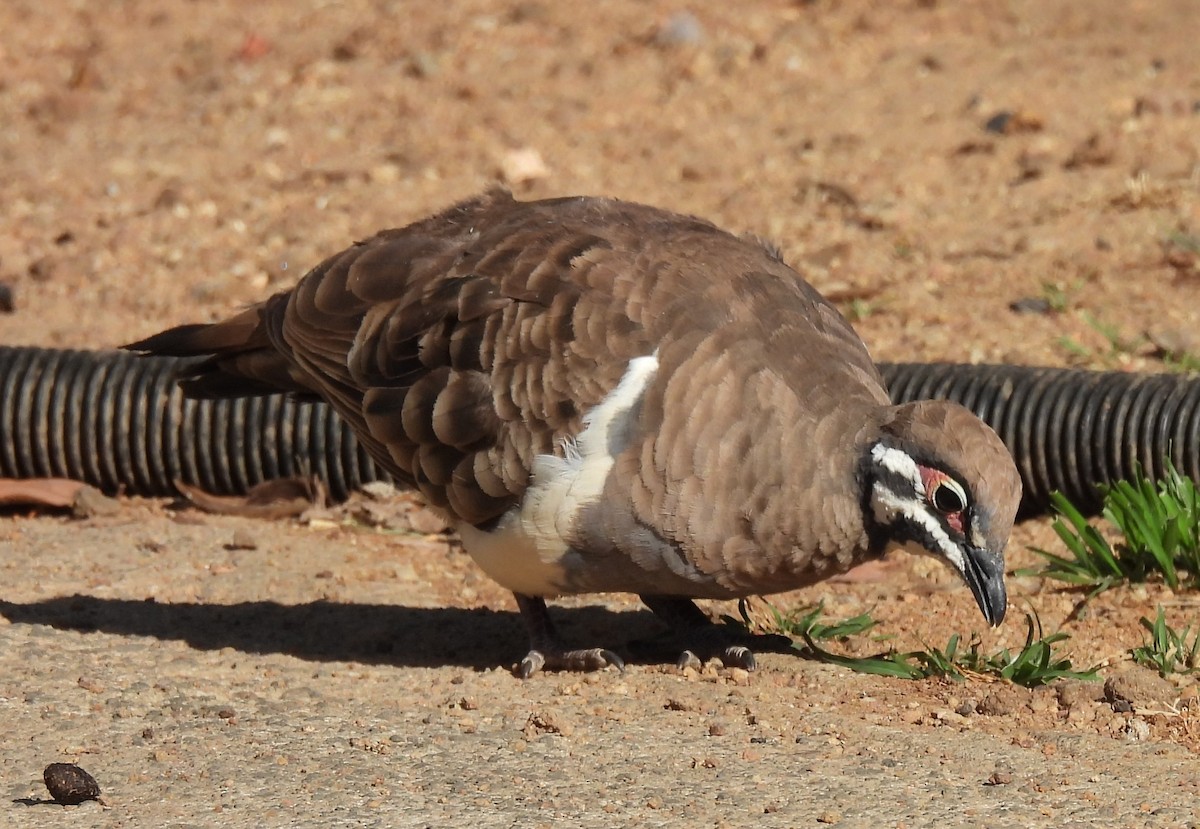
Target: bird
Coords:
[[603, 396]]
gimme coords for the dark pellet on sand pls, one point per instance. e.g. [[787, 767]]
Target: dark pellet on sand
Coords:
[[69, 784]]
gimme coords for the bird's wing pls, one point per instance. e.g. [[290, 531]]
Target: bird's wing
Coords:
[[458, 348]]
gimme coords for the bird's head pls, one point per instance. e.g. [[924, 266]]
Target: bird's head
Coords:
[[940, 480]]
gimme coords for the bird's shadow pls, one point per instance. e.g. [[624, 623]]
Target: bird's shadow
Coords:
[[477, 638]]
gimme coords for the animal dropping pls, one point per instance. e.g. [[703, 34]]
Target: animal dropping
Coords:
[[603, 396], [70, 785]]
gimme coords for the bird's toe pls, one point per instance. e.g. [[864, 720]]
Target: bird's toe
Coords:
[[732, 648], [739, 656]]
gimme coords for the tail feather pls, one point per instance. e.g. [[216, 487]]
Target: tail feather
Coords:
[[242, 359]]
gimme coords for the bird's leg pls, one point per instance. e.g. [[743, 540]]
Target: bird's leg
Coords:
[[702, 639], [545, 649]]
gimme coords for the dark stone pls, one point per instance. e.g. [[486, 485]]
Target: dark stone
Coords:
[[1030, 305], [70, 785]]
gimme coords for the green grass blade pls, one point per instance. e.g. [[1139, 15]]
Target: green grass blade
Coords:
[[894, 664]]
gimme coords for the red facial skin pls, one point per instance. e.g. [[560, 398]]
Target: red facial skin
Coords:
[[931, 478]]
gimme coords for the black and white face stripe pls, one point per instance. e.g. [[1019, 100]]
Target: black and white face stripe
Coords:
[[922, 504], [899, 501]]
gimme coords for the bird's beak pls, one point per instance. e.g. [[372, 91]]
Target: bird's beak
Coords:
[[984, 574]]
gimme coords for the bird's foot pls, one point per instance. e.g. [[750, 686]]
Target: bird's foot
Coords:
[[545, 652], [734, 656], [727, 644], [557, 659], [697, 639]]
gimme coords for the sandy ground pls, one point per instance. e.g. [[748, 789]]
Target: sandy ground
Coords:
[[162, 163]]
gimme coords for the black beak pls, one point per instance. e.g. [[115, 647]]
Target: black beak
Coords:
[[984, 573]]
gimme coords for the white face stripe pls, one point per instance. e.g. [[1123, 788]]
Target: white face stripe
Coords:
[[899, 463]]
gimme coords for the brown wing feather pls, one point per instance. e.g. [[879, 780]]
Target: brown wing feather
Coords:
[[244, 361]]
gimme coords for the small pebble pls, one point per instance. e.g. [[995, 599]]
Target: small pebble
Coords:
[[1138, 688], [90, 502], [1137, 730], [379, 490], [1007, 122], [1173, 341], [740, 676], [1004, 701], [681, 29], [998, 123], [70, 785], [523, 166], [87, 683], [1030, 305], [1000, 778], [242, 540], [1078, 694], [41, 270]]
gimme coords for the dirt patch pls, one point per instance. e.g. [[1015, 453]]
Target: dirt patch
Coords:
[[927, 164]]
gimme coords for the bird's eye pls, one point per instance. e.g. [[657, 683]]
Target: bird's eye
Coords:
[[948, 497]]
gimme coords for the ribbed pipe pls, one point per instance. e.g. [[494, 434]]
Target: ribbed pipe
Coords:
[[120, 423]]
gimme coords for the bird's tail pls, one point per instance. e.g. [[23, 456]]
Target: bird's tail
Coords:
[[239, 357]]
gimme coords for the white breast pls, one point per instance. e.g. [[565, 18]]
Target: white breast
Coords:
[[527, 551]]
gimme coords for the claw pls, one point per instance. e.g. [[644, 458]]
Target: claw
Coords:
[[734, 656], [739, 656], [533, 662]]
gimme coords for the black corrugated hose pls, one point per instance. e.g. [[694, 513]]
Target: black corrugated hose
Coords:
[[118, 422]]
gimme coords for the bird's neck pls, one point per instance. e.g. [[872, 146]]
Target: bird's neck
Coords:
[[804, 518]]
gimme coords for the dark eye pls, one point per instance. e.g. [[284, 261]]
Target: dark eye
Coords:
[[948, 498]]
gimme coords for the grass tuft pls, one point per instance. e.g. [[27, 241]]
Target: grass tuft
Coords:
[[807, 624], [1169, 651], [1036, 663], [1161, 528]]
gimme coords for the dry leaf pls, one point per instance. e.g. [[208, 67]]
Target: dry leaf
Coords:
[[278, 498], [39, 492]]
